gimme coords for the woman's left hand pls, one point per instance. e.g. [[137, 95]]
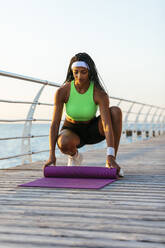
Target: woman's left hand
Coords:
[[111, 163]]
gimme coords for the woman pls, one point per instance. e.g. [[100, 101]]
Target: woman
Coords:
[[81, 94]]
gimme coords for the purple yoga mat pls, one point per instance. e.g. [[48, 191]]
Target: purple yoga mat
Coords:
[[75, 177]]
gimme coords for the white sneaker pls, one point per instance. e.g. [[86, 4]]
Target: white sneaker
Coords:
[[121, 173], [75, 160]]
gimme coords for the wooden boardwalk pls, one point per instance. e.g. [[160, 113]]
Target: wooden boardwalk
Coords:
[[128, 213]]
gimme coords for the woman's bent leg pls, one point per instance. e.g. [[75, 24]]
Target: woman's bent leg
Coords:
[[68, 141]]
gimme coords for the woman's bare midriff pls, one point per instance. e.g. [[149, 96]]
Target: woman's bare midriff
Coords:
[[77, 122]]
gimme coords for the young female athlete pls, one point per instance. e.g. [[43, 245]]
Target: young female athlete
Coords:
[[82, 94]]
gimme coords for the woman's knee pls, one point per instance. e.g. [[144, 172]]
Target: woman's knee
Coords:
[[116, 112], [66, 143], [63, 142]]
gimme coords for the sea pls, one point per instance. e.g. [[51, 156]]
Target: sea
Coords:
[[12, 147]]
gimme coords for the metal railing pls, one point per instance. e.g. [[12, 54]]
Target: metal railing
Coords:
[[137, 117]]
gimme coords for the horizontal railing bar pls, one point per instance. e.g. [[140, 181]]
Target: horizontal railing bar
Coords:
[[20, 120], [47, 104], [16, 156], [46, 135], [22, 102], [124, 111], [27, 78], [20, 155], [142, 123], [125, 100], [135, 113], [40, 103], [40, 151], [24, 137]]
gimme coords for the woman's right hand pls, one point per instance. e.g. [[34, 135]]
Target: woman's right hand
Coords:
[[51, 160]]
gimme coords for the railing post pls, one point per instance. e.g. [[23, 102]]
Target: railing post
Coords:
[[158, 121], [119, 102], [26, 144], [127, 114], [145, 126], [137, 117], [163, 124], [152, 127]]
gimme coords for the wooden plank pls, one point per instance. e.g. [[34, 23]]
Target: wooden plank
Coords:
[[38, 233]]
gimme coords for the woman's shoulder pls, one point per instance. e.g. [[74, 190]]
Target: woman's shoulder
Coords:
[[62, 91], [64, 86], [100, 95]]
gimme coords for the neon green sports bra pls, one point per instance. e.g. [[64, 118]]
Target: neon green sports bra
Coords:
[[81, 107]]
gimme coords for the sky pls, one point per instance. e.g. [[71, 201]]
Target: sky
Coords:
[[125, 38]]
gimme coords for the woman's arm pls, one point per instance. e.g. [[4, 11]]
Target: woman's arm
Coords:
[[55, 124], [57, 114], [102, 100], [106, 119]]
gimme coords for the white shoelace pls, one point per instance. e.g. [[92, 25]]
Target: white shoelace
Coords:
[[75, 160]]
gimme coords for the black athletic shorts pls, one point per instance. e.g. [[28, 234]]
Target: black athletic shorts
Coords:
[[87, 132]]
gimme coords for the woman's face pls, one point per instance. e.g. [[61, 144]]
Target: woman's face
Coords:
[[80, 74]]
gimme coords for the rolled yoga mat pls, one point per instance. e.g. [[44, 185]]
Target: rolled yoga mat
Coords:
[[76, 177]]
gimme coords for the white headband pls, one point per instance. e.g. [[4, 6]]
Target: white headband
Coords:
[[80, 64]]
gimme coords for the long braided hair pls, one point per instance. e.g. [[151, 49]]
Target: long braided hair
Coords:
[[93, 73]]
